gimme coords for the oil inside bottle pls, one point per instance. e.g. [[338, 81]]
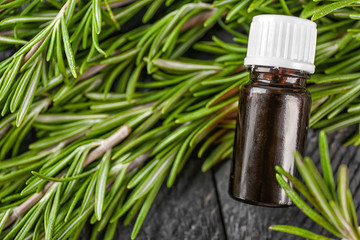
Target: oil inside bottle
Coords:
[[271, 125]]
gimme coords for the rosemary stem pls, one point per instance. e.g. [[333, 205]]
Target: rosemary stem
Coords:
[[196, 20], [106, 145]]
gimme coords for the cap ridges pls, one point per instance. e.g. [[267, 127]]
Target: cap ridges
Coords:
[[282, 41]]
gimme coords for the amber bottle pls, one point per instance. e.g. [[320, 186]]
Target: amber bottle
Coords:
[[274, 108]]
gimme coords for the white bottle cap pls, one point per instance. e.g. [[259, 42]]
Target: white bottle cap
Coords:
[[282, 41]]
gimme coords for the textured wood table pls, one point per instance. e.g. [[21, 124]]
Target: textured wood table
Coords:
[[198, 206]]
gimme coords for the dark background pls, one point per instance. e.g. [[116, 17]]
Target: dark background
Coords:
[[199, 207]]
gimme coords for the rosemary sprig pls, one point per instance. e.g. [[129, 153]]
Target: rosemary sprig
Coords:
[[336, 213], [118, 73]]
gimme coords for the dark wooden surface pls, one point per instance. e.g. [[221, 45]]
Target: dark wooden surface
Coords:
[[198, 206]]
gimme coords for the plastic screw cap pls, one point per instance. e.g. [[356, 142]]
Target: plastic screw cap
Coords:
[[282, 41]]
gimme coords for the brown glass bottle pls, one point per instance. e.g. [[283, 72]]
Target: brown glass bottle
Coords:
[[274, 110]]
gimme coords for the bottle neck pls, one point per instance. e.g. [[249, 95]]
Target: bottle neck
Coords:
[[279, 76]]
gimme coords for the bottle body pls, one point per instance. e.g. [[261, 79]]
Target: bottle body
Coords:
[[271, 125]]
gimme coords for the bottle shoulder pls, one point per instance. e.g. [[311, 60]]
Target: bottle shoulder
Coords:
[[270, 87]]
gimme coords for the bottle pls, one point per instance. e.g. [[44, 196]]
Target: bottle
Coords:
[[274, 108]]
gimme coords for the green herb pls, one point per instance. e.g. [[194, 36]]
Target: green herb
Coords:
[[335, 212], [117, 106]]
